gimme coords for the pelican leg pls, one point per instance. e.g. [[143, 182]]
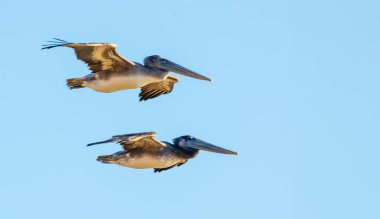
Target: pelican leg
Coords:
[[75, 83], [113, 158]]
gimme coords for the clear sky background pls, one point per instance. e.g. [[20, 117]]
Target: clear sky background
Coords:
[[295, 91]]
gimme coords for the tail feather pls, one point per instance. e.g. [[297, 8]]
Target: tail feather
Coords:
[[75, 83]]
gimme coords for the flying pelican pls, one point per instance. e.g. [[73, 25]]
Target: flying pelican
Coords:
[[142, 151], [111, 72]]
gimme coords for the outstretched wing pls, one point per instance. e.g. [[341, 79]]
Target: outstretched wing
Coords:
[[158, 88], [143, 140], [98, 56]]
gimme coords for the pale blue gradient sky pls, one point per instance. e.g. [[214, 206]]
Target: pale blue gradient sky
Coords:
[[295, 92]]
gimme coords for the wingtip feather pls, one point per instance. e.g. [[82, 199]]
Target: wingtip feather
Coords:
[[54, 43]]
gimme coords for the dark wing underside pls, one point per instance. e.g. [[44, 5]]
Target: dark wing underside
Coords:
[[156, 89], [98, 56], [157, 170]]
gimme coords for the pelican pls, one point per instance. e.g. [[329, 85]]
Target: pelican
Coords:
[[142, 151], [111, 72]]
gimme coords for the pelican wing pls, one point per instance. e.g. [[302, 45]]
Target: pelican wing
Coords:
[[137, 140], [157, 170], [158, 88], [98, 56]]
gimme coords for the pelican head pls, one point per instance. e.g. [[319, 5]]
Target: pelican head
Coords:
[[190, 143], [157, 61]]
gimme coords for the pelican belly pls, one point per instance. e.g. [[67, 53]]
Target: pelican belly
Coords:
[[120, 82], [146, 161]]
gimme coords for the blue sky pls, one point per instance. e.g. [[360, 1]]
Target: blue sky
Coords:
[[295, 91]]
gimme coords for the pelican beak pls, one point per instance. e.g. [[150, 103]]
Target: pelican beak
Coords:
[[171, 66], [202, 145]]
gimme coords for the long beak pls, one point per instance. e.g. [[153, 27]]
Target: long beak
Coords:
[[171, 66], [202, 145]]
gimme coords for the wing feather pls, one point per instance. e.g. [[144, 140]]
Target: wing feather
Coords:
[[98, 56], [158, 88], [157, 170], [143, 140]]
